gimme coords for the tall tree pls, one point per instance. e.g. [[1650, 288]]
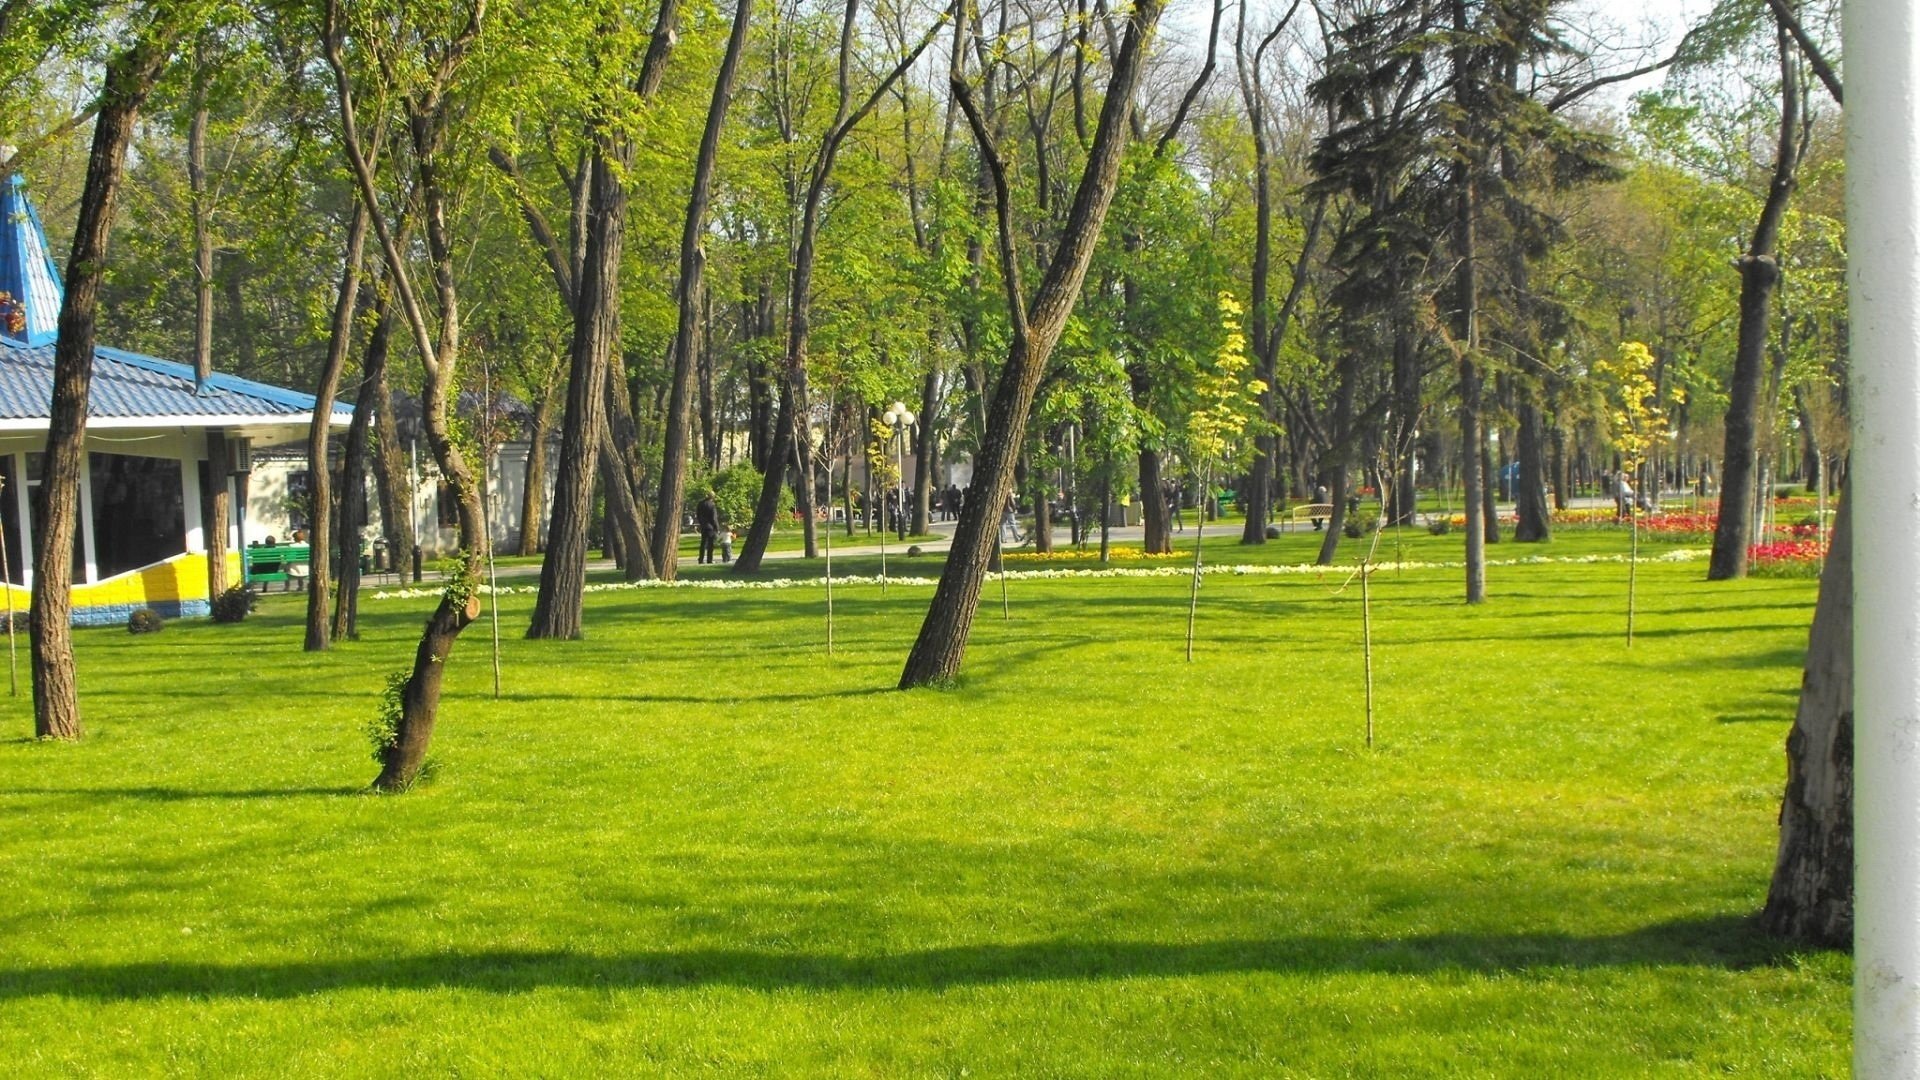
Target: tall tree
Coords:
[[127, 81], [791, 428], [1811, 896], [679, 420], [321, 540], [1759, 276], [592, 294], [942, 642], [428, 84]]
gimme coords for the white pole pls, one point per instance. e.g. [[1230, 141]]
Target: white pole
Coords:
[[1882, 62]]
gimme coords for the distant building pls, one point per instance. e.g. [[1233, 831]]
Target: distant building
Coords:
[[144, 491]]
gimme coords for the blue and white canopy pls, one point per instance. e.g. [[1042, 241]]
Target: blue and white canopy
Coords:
[[128, 389]]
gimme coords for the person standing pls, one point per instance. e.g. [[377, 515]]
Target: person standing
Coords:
[[706, 518]]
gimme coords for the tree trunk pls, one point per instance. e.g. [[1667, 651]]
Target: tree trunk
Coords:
[[353, 506], [781, 449], [393, 482], [625, 506], [674, 450], [320, 478], [595, 305], [533, 487], [1338, 465], [129, 78], [596, 331], [1472, 437], [703, 368], [1535, 522], [942, 642], [1155, 523], [1811, 897], [1759, 273], [1406, 421], [925, 449], [217, 502]]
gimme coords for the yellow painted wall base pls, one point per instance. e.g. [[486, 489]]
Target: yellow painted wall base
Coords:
[[173, 588]]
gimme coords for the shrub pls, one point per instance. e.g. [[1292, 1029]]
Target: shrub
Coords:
[[235, 604], [1359, 525], [736, 490], [914, 552], [1439, 526], [144, 621]]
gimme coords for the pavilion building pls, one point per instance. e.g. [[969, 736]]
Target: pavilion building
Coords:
[[145, 489]]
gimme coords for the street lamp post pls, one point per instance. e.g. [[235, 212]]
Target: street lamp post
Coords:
[[900, 418]]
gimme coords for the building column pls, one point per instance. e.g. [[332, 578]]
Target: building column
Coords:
[[86, 519], [1882, 62]]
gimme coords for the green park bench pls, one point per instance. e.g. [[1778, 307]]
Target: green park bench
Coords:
[[286, 563]]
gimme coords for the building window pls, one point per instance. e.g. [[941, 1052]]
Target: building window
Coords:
[[36, 472], [299, 499], [139, 511]]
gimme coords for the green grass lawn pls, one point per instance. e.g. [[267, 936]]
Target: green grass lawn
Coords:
[[695, 844]]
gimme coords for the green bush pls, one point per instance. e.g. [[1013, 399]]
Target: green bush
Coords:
[[234, 605], [144, 621], [735, 491]]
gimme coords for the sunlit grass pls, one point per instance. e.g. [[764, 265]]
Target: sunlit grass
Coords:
[[693, 842]]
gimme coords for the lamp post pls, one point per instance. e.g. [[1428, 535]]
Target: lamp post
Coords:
[[900, 418]]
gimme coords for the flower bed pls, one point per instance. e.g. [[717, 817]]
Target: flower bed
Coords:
[[1787, 559]]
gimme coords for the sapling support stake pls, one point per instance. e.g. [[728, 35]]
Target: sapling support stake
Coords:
[[1199, 544], [1633, 563], [826, 460], [1000, 556], [486, 509], [1366, 639]]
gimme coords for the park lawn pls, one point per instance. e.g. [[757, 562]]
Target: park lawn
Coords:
[[693, 843]]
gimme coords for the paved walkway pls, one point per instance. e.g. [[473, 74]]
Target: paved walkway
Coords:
[[863, 544]]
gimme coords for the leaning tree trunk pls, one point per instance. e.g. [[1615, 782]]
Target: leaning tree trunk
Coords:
[[793, 440], [779, 451], [319, 430], [942, 642], [1811, 898], [674, 450], [129, 78], [1759, 274]]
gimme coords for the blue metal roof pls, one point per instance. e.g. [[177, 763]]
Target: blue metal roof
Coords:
[[125, 386], [27, 273], [129, 386]]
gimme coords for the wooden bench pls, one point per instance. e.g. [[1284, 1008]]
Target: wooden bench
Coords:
[[285, 563], [1308, 512]]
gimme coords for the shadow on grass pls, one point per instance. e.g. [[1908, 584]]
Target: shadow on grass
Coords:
[[1725, 942], [172, 794], [717, 698]]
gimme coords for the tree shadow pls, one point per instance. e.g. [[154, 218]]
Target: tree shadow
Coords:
[[1721, 942], [716, 698], [155, 793]]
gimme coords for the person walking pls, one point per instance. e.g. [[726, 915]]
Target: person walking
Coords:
[[706, 518]]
